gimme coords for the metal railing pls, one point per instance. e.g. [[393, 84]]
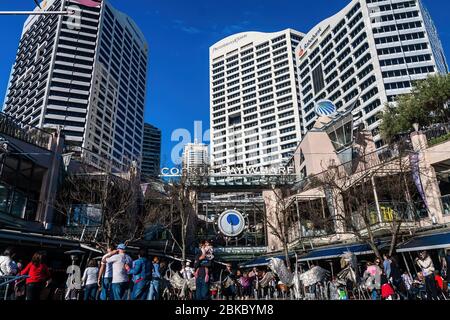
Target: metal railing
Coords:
[[437, 131], [5, 284], [24, 132], [88, 157]]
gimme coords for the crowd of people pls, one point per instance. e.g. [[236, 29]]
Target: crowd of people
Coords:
[[383, 279], [116, 276]]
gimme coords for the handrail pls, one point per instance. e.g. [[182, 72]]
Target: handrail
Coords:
[[11, 279]]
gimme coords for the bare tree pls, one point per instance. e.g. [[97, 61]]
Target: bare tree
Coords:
[[278, 219], [369, 196], [119, 200], [174, 210]]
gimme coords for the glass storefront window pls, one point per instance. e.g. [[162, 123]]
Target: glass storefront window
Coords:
[[19, 204], [5, 201]]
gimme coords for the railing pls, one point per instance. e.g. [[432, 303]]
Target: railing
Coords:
[[438, 133], [389, 212], [446, 204], [5, 284], [24, 132], [90, 158]]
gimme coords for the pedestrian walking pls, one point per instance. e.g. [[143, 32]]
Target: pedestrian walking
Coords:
[[425, 263], [141, 273], [229, 284], [120, 279], [39, 276], [155, 283], [90, 281], [201, 266], [105, 275]]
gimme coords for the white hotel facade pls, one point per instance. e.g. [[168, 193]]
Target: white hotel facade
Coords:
[[85, 74], [255, 106], [366, 55], [264, 86]]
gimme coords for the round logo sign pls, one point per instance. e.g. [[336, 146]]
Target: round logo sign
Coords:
[[231, 223], [325, 108]]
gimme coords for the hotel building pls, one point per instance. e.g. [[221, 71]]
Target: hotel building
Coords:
[[364, 56], [255, 105]]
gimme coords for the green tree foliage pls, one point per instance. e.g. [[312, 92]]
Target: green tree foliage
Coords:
[[426, 104]]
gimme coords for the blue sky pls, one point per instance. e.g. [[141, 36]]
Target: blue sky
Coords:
[[180, 33]]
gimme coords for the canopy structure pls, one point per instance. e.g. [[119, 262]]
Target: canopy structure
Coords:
[[261, 261], [337, 251], [426, 242]]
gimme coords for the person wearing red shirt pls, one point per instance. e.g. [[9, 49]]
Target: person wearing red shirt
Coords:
[[39, 276], [439, 281]]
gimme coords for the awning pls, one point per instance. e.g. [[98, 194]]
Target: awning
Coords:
[[261, 261], [42, 240], [426, 242], [337, 251], [85, 246]]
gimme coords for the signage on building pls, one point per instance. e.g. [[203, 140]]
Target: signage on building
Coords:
[[231, 223], [235, 40], [308, 43]]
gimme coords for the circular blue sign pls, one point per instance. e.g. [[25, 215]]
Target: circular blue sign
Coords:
[[231, 223]]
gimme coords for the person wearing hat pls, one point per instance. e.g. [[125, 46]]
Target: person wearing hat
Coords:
[[120, 279]]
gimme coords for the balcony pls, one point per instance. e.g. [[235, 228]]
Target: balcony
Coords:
[[24, 132], [438, 134]]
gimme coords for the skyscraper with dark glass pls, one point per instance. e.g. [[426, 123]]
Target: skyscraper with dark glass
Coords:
[[85, 73]]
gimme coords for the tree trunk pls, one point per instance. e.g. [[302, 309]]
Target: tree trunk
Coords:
[[286, 255]]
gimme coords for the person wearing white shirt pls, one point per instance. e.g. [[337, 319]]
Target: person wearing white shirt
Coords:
[[105, 277], [89, 281], [187, 272], [120, 278], [7, 265]]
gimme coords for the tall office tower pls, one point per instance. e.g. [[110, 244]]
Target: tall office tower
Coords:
[[365, 56], [255, 105], [196, 158], [151, 152], [86, 73]]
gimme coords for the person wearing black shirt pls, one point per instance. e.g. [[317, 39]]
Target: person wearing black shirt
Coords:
[[201, 277], [229, 283]]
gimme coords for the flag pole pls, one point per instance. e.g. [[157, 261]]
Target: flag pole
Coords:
[[37, 13]]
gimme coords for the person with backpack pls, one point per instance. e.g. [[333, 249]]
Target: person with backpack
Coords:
[[142, 275]]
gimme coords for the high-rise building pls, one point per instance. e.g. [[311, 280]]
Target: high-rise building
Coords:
[[151, 152], [86, 73], [364, 56], [255, 105], [196, 158]]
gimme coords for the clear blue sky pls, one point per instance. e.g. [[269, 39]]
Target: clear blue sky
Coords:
[[180, 33]]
